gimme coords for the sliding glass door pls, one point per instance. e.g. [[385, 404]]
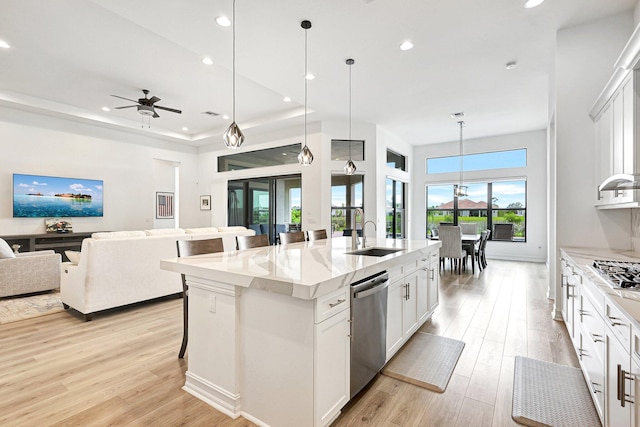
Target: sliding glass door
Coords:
[[273, 204], [395, 208]]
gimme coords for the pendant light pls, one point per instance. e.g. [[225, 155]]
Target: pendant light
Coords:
[[305, 158], [233, 136], [460, 190], [350, 167]]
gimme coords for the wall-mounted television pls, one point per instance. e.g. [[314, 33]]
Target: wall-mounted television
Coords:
[[36, 196]]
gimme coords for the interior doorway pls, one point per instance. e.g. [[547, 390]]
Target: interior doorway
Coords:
[[268, 205]]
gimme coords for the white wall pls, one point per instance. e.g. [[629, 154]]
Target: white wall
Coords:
[[535, 248], [44, 145]]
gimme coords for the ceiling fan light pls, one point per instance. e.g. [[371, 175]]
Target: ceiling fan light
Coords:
[[349, 167], [146, 110], [233, 136], [305, 158]]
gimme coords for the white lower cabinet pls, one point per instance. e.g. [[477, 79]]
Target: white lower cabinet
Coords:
[[634, 392], [411, 298], [333, 360]]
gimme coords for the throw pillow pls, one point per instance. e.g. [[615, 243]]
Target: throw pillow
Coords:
[[5, 250], [74, 256]]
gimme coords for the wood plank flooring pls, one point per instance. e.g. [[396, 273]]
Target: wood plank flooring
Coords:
[[122, 368]]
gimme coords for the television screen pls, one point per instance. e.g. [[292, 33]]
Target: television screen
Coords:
[[36, 196]]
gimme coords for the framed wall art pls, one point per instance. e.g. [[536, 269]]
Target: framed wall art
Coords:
[[205, 203], [164, 205]]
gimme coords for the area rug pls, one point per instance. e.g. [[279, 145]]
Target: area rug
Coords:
[[14, 309], [426, 361], [547, 394]]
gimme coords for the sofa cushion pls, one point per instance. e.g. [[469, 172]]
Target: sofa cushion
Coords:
[[74, 256], [118, 234], [5, 250], [201, 230], [232, 228], [165, 232]]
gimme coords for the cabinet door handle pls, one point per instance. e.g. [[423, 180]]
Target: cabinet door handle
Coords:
[[596, 338], [433, 272], [333, 304], [594, 389], [622, 393], [612, 321]]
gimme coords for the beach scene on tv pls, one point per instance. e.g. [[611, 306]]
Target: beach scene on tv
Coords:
[[48, 196]]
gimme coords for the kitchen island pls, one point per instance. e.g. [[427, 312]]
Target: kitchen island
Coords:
[[269, 327]]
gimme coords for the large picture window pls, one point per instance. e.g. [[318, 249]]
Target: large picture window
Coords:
[[395, 208], [478, 162], [487, 204]]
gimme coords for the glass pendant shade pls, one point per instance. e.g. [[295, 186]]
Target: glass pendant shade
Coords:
[[305, 158], [350, 167], [460, 190], [233, 136]]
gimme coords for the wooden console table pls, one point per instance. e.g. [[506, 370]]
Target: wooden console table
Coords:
[[59, 242]]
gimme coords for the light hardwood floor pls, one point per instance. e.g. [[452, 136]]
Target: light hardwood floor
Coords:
[[122, 367]]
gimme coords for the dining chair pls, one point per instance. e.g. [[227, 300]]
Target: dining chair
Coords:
[[292, 237], [188, 248], [248, 242], [469, 228], [451, 238], [316, 234], [479, 251]]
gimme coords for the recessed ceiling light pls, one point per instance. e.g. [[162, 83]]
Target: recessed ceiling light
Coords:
[[226, 117], [106, 109], [532, 3], [309, 76], [287, 99], [207, 61], [406, 45], [511, 65], [284, 154], [4, 44], [223, 21], [185, 128]]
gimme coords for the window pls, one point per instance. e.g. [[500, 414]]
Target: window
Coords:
[[287, 154], [395, 207], [487, 204], [478, 162], [340, 149], [396, 161], [346, 196]]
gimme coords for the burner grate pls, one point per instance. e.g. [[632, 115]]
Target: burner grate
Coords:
[[621, 274]]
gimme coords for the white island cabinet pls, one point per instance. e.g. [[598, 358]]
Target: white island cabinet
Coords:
[[269, 328]]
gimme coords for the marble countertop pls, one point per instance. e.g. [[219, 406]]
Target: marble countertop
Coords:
[[305, 270], [628, 301]]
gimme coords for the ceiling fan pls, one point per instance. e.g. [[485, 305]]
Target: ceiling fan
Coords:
[[146, 106]]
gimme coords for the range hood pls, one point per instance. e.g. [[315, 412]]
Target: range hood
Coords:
[[620, 182]]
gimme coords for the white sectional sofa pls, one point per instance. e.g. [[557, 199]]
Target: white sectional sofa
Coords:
[[118, 268]]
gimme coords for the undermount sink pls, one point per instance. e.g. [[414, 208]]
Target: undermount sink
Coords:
[[375, 251]]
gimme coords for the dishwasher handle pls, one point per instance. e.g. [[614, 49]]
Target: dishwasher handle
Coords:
[[377, 287]]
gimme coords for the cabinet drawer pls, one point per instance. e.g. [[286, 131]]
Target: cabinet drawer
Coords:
[[592, 325], [618, 324], [411, 266], [332, 303], [595, 297]]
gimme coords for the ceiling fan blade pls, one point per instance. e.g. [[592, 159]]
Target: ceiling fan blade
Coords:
[[121, 97], [173, 110], [155, 115], [153, 100], [126, 106]]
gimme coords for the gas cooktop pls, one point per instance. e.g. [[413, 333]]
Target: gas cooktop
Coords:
[[619, 274]]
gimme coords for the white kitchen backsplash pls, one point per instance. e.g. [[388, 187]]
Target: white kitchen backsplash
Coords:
[[635, 230]]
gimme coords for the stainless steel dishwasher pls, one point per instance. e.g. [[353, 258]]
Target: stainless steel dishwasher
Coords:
[[368, 329]]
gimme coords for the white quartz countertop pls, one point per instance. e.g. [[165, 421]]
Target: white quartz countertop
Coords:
[[305, 270], [627, 300]]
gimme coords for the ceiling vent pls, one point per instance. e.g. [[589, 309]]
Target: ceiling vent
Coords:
[[210, 113]]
